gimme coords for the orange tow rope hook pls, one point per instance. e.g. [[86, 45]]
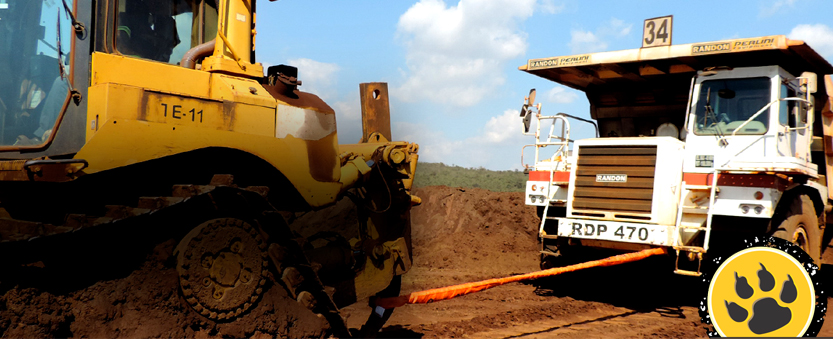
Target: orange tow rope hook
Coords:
[[445, 293]]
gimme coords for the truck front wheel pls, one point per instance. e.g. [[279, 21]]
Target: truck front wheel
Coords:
[[800, 225]]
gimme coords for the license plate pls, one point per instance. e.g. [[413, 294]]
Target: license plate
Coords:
[[615, 231]]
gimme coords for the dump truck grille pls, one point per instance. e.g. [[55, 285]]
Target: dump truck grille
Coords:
[[615, 178]]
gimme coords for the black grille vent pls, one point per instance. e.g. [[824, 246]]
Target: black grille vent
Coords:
[[633, 196]]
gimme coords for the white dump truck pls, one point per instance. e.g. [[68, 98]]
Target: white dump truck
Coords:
[[695, 144]]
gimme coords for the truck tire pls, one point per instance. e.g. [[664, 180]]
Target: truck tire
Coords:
[[800, 225], [549, 261]]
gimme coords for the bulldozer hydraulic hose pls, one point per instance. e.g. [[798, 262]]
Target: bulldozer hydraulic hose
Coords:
[[445, 293]]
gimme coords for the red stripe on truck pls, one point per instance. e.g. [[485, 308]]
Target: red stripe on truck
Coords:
[[740, 180], [697, 178], [545, 176]]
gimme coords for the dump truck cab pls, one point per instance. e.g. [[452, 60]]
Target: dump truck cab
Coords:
[[697, 143]]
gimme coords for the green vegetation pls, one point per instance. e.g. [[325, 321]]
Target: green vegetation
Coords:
[[432, 174]]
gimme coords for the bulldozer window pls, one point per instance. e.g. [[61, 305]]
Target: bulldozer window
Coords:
[[32, 91], [732, 102], [163, 30]]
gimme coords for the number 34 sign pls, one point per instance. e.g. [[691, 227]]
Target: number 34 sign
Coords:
[[657, 32]]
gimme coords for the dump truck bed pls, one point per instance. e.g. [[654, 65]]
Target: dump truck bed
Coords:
[[585, 71]]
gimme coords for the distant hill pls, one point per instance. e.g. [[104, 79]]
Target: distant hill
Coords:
[[433, 174]]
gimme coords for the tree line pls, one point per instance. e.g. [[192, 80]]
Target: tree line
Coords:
[[435, 174]]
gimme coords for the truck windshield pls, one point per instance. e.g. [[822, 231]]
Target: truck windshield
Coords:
[[732, 101], [32, 91]]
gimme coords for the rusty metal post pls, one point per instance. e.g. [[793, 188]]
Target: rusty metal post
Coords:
[[375, 109]]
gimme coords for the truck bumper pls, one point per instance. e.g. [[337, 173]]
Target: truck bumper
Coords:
[[646, 234]]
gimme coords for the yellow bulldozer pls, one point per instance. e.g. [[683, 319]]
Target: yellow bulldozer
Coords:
[[126, 125]]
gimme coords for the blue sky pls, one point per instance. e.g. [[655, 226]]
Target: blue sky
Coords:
[[452, 66]]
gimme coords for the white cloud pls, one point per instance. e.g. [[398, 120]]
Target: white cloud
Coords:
[[455, 53], [585, 42], [616, 27], [551, 7], [434, 146], [503, 127], [316, 77], [582, 41], [497, 145], [818, 36], [776, 7], [561, 95], [349, 109]]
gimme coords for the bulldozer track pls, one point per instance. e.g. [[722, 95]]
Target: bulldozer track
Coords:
[[224, 227]]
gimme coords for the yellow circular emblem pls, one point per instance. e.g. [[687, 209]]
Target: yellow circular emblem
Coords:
[[761, 291]]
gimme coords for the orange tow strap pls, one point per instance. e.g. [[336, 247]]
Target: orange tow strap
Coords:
[[445, 293]]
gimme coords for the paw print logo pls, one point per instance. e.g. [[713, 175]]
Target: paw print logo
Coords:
[[768, 315], [761, 291]]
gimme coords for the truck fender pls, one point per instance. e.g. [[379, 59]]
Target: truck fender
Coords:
[[813, 190]]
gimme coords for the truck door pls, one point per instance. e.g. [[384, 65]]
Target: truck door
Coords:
[[794, 136]]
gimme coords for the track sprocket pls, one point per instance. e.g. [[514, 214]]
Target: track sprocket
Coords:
[[222, 267]]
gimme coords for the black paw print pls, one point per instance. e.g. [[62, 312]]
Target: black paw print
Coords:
[[767, 315]]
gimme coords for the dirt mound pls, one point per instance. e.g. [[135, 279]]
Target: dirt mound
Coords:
[[145, 303], [459, 235], [465, 235], [475, 232]]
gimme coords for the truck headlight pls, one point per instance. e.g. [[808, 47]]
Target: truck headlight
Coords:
[[744, 208]]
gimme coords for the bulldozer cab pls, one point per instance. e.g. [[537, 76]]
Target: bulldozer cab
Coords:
[[164, 30], [45, 59], [35, 40]]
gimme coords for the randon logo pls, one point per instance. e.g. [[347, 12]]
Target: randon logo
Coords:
[[611, 178]]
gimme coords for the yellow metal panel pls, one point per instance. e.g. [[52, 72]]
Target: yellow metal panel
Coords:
[[176, 110], [111, 99], [372, 279], [235, 32], [252, 119], [107, 102], [235, 89], [151, 75], [222, 65], [124, 142], [96, 102]]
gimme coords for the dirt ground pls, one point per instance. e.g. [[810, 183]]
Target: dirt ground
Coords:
[[459, 235], [463, 235]]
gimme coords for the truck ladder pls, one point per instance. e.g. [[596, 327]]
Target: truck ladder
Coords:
[[694, 209], [561, 153]]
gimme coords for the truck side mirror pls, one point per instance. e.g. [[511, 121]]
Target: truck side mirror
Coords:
[[526, 112], [809, 82]]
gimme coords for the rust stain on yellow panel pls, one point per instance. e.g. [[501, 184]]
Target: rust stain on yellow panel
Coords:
[[323, 158]]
